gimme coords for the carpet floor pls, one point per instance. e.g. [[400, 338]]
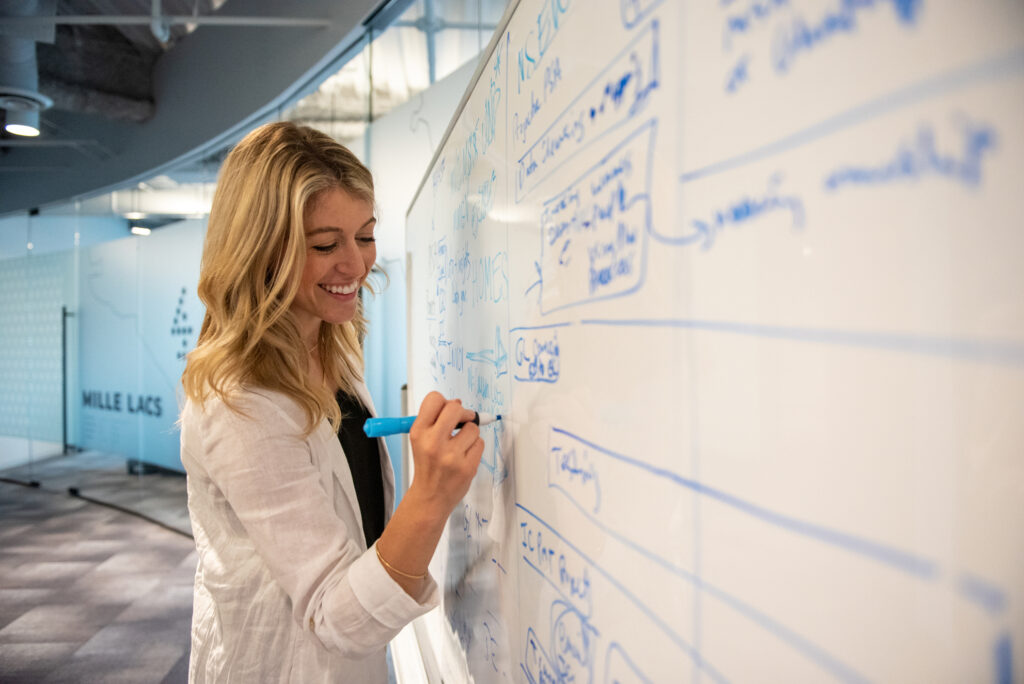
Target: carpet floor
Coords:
[[89, 593]]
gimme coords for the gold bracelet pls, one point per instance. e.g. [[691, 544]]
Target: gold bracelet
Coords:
[[395, 570]]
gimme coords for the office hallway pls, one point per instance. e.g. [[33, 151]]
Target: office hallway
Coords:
[[90, 593]]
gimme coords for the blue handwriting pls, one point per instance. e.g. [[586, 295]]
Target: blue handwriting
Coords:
[[635, 11], [755, 13], [549, 20], [574, 468], [601, 218], [495, 356], [556, 563], [521, 124], [742, 211], [920, 158], [537, 359], [738, 75], [572, 643], [536, 663], [614, 96], [798, 37], [472, 210]]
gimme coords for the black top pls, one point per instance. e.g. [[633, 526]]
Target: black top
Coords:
[[363, 456]]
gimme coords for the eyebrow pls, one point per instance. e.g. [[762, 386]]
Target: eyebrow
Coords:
[[333, 229]]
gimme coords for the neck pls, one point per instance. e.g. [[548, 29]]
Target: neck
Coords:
[[316, 369], [310, 340], [311, 336]]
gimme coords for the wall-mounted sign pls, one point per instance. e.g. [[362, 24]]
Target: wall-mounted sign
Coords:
[[122, 401]]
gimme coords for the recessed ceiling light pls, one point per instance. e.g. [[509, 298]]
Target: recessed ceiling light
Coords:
[[22, 129], [22, 122]]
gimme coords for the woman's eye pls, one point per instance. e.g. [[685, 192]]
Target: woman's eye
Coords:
[[367, 239], [325, 249]]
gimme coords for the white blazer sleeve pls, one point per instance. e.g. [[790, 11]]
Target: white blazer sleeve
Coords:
[[262, 464]]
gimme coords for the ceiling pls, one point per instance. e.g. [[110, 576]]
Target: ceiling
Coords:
[[107, 70], [128, 105]]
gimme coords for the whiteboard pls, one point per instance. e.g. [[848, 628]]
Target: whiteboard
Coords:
[[747, 279]]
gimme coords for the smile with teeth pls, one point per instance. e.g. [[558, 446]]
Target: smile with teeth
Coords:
[[341, 289]]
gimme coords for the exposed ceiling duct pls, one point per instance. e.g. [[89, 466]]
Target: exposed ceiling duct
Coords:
[[19, 72], [127, 105]]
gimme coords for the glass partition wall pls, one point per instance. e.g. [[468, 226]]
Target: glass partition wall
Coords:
[[75, 325], [98, 305], [35, 276]]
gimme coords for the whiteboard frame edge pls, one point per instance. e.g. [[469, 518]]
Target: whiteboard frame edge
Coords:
[[473, 80]]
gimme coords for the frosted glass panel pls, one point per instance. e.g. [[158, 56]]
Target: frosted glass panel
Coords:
[[34, 290]]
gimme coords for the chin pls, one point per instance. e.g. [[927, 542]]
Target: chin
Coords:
[[339, 318]]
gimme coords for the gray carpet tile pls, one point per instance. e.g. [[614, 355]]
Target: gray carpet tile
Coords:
[[89, 593], [105, 477], [33, 661]]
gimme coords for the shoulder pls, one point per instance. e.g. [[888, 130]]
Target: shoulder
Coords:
[[247, 408], [249, 430]]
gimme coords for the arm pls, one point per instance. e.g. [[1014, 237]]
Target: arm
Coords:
[[277, 506], [444, 466]]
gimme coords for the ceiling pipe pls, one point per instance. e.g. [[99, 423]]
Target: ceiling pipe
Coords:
[[19, 74], [160, 28], [75, 98]]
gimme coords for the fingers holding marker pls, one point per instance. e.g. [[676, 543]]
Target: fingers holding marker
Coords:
[[435, 428], [430, 409], [453, 414], [466, 436]]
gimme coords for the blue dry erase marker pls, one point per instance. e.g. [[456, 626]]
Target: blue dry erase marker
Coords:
[[382, 427]]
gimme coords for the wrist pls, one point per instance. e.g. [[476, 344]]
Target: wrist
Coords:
[[426, 506], [395, 571]]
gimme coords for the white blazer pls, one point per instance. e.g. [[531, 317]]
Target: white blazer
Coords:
[[285, 589]]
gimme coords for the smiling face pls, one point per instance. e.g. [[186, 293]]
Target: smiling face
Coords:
[[340, 250]]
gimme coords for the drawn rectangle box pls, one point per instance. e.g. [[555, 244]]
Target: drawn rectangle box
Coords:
[[594, 232], [616, 95]]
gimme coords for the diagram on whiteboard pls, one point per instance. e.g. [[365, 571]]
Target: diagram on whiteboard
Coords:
[[745, 279]]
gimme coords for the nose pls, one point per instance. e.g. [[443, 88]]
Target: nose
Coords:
[[350, 262]]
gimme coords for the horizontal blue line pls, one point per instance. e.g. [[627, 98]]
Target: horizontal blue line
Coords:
[[550, 581], [1001, 67], [547, 380], [805, 646], [988, 351], [982, 593], [669, 632], [901, 560], [826, 660], [540, 327]]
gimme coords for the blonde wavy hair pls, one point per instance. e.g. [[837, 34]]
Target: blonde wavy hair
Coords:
[[253, 257]]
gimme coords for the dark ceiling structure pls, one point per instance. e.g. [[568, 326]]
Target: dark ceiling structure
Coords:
[[125, 89]]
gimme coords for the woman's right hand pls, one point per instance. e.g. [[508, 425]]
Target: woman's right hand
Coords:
[[444, 463]]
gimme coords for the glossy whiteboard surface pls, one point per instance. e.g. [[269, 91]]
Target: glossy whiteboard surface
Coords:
[[747, 279]]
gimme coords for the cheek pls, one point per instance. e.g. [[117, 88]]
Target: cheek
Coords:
[[370, 257], [307, 279], [310, 274]]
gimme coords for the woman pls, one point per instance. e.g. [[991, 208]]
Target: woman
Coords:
[[299, 579]]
